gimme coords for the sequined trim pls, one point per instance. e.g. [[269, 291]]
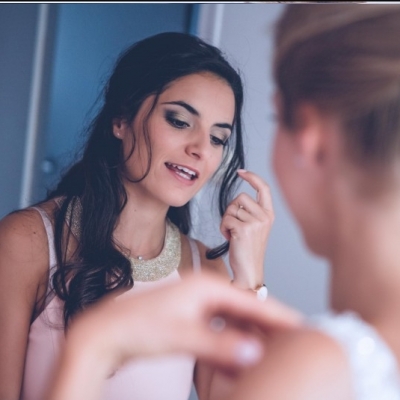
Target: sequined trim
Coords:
[[165, 263], [142, 270]]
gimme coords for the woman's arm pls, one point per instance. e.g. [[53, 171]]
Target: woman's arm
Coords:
[[23, 266], [108, 334]]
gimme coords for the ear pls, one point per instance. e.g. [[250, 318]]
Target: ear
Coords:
[[119, 128], [311, 136]]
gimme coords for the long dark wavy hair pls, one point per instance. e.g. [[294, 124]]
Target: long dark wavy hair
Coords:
[[95, 180]]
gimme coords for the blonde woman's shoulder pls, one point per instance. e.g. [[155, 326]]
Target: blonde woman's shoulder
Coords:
[[298, 364]]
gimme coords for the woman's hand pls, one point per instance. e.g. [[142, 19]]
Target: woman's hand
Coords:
[[247, 224], [185, 313], [183, 318]]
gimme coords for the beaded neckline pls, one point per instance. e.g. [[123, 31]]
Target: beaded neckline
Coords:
[[162, 265], [142, 270]]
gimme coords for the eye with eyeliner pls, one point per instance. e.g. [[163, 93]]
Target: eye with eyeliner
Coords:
[[174, 119], [217, 141], [178, 121]]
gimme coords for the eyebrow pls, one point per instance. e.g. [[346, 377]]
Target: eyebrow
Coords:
[[193, 111]]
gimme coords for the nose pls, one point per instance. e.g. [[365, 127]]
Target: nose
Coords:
[[198, 145]]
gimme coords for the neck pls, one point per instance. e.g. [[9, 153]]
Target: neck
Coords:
[[141, 225], [365, 263]]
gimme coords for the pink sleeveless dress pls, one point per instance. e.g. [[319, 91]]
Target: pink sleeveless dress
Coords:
[[166, 378]]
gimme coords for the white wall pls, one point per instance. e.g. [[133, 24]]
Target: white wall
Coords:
[[244, 33]]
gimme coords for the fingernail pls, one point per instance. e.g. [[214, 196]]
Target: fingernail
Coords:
[[248, 352], [241, 170]]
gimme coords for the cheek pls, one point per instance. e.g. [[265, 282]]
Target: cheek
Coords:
[[216, 162], [214, 167]]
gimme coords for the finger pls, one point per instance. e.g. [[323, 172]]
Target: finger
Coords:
[[240, 225], [215, 297], [262, 188], [243, 215], [266, 315], [234, 209], [230, 226], [244, 305], [230, 348], [222, 298], [245, 219], [248, 204]]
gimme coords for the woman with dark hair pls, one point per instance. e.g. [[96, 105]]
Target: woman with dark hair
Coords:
[[336, 157], [119, 218]]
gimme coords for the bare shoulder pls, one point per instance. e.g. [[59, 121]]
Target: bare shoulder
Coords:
[[23, 243], [299, 364], [24, 268], [22, 229]]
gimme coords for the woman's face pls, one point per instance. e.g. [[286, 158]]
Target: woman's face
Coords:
[[188, 128]]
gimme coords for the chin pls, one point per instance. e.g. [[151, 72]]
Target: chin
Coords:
[[178, 202], [176, 199], [177, 205]]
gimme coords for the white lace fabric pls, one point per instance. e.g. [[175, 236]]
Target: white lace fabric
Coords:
[[374, 368]]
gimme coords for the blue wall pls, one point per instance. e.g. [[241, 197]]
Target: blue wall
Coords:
[[17, 36], [89, 37]]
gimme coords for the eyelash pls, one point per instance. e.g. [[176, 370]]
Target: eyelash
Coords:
[[175, 122], [217, 141], [179, 124]]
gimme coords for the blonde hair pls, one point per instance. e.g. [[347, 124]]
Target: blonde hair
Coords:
[[344, 59]]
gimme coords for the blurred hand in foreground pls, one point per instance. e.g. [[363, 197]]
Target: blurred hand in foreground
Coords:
[[187, 317]]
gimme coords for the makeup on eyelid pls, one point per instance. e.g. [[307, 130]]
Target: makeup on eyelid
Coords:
[[179, 121], [175, 119]]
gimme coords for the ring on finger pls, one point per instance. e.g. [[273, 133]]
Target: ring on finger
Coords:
[[237, 211]]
